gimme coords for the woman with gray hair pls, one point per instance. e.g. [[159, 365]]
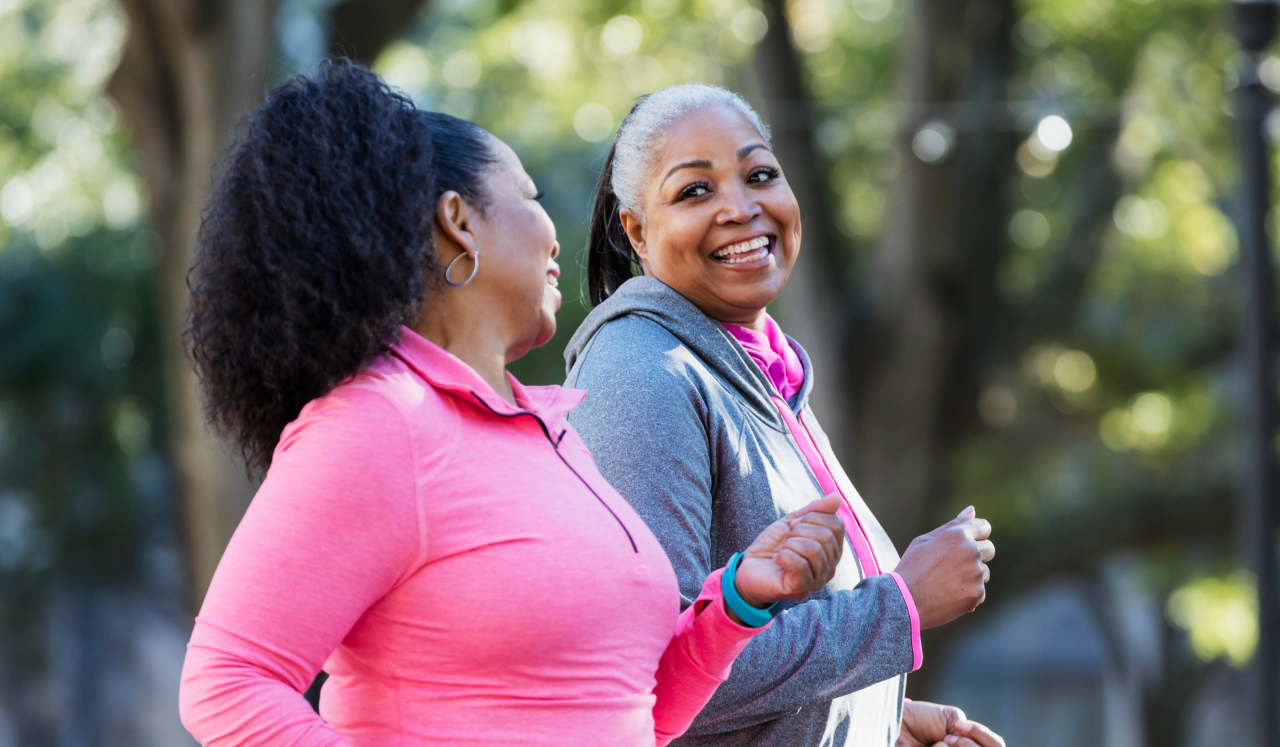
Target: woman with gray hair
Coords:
[[697, 411]]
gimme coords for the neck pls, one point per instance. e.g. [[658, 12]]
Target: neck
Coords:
[[473, 339], [755, 324], [751, 319]]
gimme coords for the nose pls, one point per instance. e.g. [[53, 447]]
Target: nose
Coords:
[[738, 207], [555, 250]]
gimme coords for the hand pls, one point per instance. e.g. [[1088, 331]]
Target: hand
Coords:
[[946, 569], [933, 725], [794, 556]]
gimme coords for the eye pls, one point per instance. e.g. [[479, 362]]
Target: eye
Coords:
[[540, 195], [697, 189], [762, 175]]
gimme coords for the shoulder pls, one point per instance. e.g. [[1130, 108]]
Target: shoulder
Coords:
[[380, 412], [644, 389], [637, 353]]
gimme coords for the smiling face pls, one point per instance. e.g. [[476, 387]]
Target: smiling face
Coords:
[[522, 238], [516, 284], [718, 222]]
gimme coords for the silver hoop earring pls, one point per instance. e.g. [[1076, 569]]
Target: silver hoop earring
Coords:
[[474, 268]]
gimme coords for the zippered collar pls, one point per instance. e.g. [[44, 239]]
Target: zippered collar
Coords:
[[547, 405], [446, 372]]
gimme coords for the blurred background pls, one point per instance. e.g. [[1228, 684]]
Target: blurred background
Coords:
[[1024, 284]]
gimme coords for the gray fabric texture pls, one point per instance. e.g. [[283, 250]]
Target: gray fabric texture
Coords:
[[680, 421]]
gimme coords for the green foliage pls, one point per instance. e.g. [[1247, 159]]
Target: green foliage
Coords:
[[81, 485], [1146, 96], [1221, 616]]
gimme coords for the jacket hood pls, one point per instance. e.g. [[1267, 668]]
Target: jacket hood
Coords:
[[652, 299]]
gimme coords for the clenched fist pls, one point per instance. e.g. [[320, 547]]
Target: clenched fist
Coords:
[[946, 569], [794, 556]]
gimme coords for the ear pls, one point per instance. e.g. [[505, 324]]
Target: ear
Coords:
[[455, 224], [634, 228]]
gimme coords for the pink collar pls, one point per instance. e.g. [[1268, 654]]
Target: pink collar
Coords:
[[445, 371], [773, 354]]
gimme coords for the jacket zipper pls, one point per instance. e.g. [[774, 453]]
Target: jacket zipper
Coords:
[[856, 533], [555, 446]]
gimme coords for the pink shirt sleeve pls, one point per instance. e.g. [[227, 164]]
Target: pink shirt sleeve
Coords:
[[697, 660], [333, 528]]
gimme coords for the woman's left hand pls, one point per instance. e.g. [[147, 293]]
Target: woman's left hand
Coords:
[[933, 725], [794, 556]]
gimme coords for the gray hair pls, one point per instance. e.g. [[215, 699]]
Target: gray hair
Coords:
[[638, 133]]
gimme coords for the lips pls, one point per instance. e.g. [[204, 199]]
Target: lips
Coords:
[[751, 250]]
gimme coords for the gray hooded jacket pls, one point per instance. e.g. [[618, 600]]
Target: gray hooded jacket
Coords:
[[680, 421]]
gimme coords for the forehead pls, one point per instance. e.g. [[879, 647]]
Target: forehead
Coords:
[[705, 134], [508, 161]]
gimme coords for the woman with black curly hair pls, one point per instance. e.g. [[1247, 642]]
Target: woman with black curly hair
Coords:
[[430, 531]]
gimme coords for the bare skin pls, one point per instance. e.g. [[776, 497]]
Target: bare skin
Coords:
[[716, 191], [946, 569], [509, 307], [933, 725]]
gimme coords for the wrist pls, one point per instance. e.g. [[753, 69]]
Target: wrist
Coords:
[[748, 597], [740, 609]]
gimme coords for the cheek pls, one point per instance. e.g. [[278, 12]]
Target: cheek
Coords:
[[678, 243], [786, 212]]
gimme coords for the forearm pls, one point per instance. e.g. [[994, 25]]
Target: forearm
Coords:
[[699, 658], [233, 696], [813, 653]]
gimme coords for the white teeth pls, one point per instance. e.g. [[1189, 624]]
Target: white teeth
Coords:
[[745, 246], [553, 281], [749, 258]]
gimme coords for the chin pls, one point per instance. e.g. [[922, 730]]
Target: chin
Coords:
[[547, 332], [760, 293]]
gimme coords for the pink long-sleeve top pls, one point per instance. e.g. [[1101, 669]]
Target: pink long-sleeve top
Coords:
[[460, 569]]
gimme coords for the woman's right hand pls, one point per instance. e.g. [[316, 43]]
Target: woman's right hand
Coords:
[[794, 556], [946, 569]]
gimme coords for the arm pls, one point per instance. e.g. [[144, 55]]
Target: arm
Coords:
[[697, 660], [648, 432], [790, 559], [331, 531]]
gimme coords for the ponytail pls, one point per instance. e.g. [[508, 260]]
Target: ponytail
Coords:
[[316, 245], [610, 259]]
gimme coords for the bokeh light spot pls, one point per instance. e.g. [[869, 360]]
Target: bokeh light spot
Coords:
[[593, 122]]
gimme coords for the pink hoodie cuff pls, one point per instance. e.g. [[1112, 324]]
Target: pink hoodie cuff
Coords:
[[697, 660], [718, 638], [917, 650]]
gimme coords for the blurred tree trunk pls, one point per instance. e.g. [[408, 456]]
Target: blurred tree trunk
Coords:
[[900, 392], [362, 28], [190, 70], [812, 304], [937, 319]]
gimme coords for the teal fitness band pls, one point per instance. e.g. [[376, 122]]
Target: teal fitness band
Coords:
[[752, 617]]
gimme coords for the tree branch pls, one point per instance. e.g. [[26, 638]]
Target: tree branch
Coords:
[[1074, 541]]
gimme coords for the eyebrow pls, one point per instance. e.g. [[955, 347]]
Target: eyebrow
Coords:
[[700, 164], [743, 152]]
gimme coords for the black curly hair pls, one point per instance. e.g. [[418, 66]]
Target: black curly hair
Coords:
[[317, 244]]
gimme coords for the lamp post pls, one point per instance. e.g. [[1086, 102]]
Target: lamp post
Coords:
[[1255, 28]]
